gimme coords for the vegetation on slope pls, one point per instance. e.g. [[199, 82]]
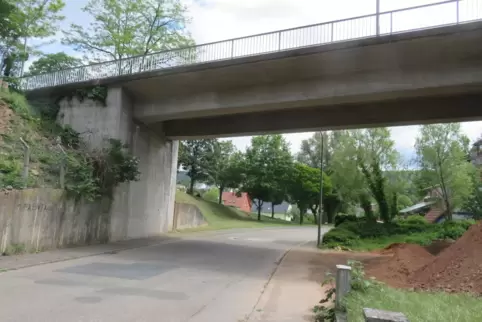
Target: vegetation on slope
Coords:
[[223, 217]]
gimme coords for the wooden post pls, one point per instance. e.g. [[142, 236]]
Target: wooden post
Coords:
[[343, 284]]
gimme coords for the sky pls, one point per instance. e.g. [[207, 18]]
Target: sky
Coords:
[[214, 20]]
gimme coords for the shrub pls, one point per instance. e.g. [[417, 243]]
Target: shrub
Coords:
[[415, 219], [341, 218], [340, 237], [453, 229]]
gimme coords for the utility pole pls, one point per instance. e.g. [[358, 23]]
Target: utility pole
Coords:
[[320, 210]]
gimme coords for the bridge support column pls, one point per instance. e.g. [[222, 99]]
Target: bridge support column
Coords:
[[143, 208]]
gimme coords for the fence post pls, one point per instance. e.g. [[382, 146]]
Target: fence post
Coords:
[[62, 165], [378, 18], [458, 11], [343, 284], [26, 162]]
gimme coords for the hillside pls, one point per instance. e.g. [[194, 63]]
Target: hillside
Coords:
[[223, 217], [18, 120]]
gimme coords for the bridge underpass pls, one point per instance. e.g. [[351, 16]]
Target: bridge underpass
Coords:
[[430, 75]]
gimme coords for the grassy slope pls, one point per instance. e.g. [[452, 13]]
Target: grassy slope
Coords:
[[222, 217], [39, 134], [417, 306]]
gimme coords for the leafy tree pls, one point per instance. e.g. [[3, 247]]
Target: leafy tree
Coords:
[[9, 39], [53, 62], [474, 202], [310, 150], [225, 171], [196, 157], [304, 188], [36, 19], [211, 195], [123, 28], [442, 152], [267, 164]]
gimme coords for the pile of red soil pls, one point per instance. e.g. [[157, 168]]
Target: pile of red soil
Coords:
[[397, 267], [457, 269]]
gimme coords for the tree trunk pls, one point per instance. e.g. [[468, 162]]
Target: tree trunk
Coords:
[[314, 210], [302, 213], [272, 210], [221, 189], [191, 187], [259, 212]]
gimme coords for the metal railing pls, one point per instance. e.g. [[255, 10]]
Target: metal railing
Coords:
[[438, 14]]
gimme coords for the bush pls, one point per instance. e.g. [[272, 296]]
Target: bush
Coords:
[[339, 236], [341, 218], [453, 229]]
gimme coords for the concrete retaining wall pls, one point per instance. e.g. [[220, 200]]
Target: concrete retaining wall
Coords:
[[187, 216], [39, 219]]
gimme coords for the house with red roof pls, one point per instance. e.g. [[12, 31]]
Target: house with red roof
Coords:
[[240, 201]]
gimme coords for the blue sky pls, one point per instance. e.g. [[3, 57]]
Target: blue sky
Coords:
[[214, 20]]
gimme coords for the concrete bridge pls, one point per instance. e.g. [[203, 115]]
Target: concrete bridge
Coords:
[[293, 80]]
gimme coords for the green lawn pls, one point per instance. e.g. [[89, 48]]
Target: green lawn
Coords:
[[417, 306], [223, 217]]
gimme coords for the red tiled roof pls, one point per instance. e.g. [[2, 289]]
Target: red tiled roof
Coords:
[[434, 214], [242, 202]]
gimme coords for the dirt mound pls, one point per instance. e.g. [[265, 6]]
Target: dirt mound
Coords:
[[397, 268], [439, 246], [458, 268]]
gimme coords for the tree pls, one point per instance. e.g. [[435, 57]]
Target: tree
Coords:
[[303, 188], [310, 149], [123, 28], [9, 39], [442, 152], [267, 163], [36, 19], [53, 62], [196, 157], [211, 195], [225, 170]]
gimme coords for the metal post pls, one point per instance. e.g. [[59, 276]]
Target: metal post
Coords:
[[26, 162], [343, 284], [62, 165], [378, 18], [391, 23], [279, 41], [232, 49], [458, 10], [320, 210]]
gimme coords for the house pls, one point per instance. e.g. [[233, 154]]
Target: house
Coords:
[[432, 208], [476, 153], [240, 201], [283, 208]]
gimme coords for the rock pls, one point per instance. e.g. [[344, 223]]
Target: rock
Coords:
[[35, 172], [9, 187]]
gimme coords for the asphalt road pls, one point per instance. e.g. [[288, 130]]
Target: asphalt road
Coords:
[[203, 278]]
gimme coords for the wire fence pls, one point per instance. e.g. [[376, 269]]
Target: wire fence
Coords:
[[433, 15]]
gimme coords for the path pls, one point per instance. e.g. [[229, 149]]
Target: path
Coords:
[[216, 276]]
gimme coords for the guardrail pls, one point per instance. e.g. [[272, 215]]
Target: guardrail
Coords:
[[438, 14]]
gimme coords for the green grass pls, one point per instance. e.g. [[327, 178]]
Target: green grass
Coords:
[[223, 217], [417, 306]]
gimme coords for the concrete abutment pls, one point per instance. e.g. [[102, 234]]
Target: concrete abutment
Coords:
[[143, 208]]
